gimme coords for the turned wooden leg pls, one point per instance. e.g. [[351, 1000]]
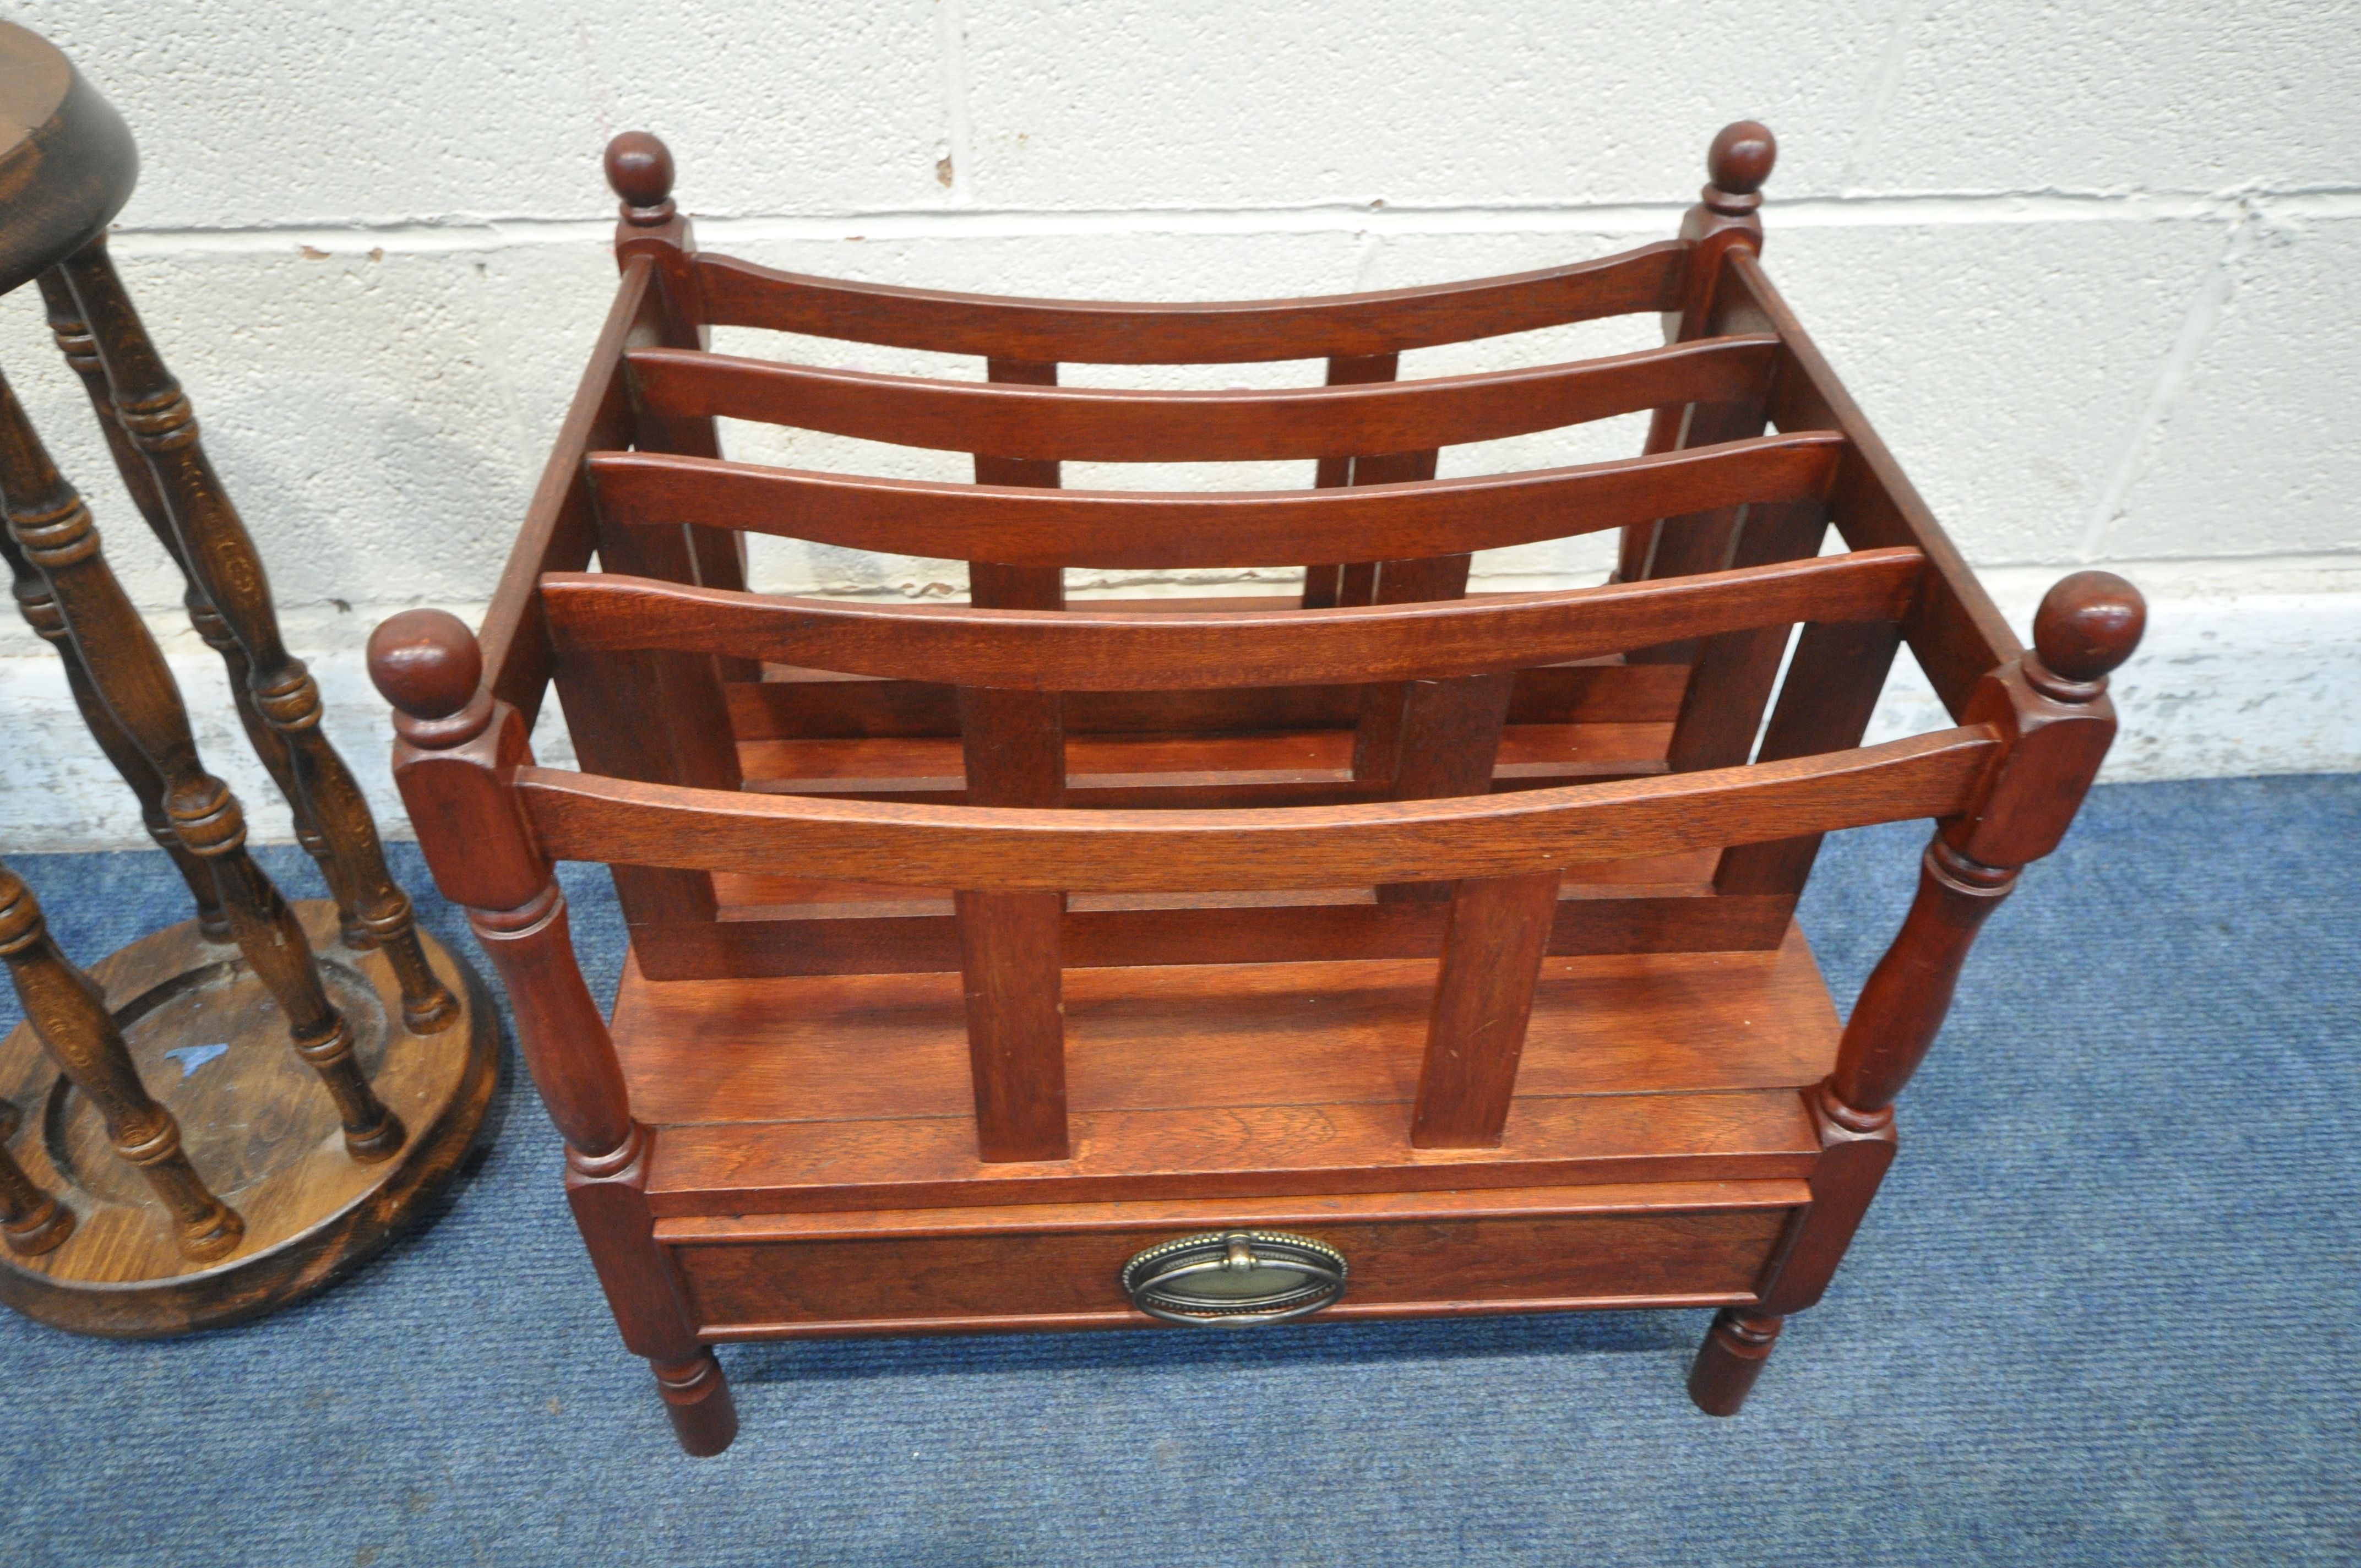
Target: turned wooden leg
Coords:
[[41, 613], [221, 559], [271, 747], [697, 1397], [1731, 1358], [454, 756], [53, 528], [69, 1013], [32, 1221], [74, 340]]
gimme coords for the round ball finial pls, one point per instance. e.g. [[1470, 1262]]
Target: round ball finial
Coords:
[[1741, 158], [425, 662], [2088, 624], [638, 169]]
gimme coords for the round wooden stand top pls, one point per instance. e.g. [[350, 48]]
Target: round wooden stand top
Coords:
[[212, 1045], [67, 160]]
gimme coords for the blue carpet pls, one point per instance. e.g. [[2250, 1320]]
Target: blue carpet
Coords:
[[2104, 1312]]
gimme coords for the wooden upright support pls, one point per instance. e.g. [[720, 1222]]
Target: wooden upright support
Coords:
[[54, 531], [80, 351], [221, 558], [1728, 216], [2051, 707], [455, 752], [1013, 745], [69, 1012], [1326, 586], [640, 172], [40, 612], [32, 1221], [1483, 999]]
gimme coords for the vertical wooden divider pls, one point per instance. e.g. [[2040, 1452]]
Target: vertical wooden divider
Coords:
[[1483, 1000], [659, 717], [1378, 740], [1326, 587], [1730, 683], [1451, 738], [1420, 739], [1014, 747], [1825, 705]]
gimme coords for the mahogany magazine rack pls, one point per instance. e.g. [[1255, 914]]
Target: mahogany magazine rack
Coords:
[[1388, 952]]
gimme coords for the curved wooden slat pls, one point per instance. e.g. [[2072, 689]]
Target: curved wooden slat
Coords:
[[1131, 650], [1097, 332], [1085, 424], [1023, 527], [579, 817]]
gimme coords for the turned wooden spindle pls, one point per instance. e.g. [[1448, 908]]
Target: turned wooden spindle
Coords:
[[54, 530], [1728, 214], [41, 613], [2087, 625], [32, 1221], [2051, 707], [221, 558], [75, 340], [69, 1013], [455, 754]]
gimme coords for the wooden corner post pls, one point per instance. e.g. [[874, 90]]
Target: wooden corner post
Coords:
[[1729, 215], [456, 751], [648, 223], [2051, 709]]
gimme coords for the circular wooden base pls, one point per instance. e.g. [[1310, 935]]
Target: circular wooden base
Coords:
[[211, 1045]]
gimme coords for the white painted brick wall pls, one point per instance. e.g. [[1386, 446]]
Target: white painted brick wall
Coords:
[[2095, 271]]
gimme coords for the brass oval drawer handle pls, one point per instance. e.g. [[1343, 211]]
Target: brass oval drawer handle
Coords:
[[1235, 1279]]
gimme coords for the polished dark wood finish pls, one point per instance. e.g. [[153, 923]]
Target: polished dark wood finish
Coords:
[[1482, 1001], [67, 160], [80, 351], [456, 744], [1406, 521], [1113, 426], [32, 1221], [578, 817], [1054, 1267], [69, 1013], [738, 294], [54, 531], [40, 612], [976, 947], [221, 559], [252, 1124], [165, 1163], [1145, 650], [1735, 1349]]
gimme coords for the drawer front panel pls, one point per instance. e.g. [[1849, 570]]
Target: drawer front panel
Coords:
[[991, 1280]]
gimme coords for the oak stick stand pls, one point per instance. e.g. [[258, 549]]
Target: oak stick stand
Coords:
[[239, 1109]]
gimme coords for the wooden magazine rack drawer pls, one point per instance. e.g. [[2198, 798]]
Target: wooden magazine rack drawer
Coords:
[[959, 1270]]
